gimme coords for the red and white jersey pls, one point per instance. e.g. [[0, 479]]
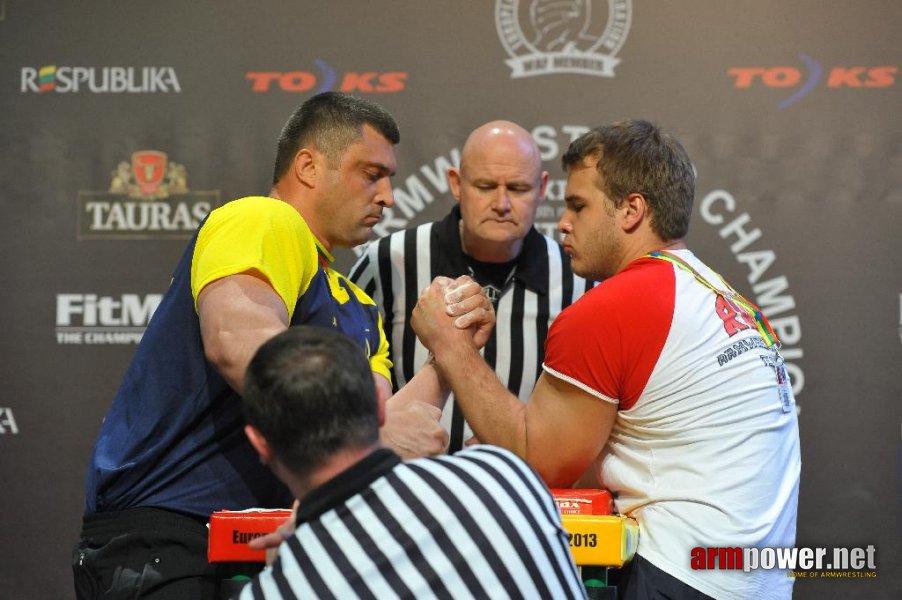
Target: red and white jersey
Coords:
[[705, 449]]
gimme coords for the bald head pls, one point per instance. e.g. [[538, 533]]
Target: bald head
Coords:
[[499, 185], [501, 140]]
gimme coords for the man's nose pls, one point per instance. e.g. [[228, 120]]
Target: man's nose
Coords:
[[502, 200], [384, 194], [564, 225]]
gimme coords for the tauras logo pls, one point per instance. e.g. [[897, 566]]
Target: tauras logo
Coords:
[[148, 198], [7, 422], [99, 80], [95, 319], [562, 36]]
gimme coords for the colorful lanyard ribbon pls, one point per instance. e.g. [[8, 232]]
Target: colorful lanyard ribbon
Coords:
[[764, 328]]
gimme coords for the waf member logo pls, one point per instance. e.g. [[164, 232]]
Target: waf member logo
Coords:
[[148, 198], [325, 78], [562, 36], [799, 81]]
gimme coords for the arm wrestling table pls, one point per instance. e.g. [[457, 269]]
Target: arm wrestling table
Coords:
[[599, 540]]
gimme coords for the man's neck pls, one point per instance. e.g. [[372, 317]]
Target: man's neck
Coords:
[[656, 246], [308, 217], [336, 464], [668, 246], [641, 250]]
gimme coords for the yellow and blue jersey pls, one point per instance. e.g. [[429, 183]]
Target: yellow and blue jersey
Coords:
[[173, 437]]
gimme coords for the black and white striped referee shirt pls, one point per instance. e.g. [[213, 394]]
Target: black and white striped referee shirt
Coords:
[[394, 270], [479, 524]]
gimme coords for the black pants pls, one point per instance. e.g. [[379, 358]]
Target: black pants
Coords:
[[150, 553], [641, 580]]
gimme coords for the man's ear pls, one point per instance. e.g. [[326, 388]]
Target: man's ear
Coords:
[[543, 185], [259, 443], [454, 182], [307, 166], [633, 210]]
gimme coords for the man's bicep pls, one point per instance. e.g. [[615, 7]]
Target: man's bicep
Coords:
[[248, 294], [566, 429], [237, 314]]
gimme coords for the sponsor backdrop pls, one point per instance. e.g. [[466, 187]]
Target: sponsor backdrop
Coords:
[[124, 123]]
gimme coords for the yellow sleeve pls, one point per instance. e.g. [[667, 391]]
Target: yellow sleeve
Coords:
[[379, 360], [258, 233]]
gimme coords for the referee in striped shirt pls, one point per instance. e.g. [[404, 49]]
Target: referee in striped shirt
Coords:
[[480, 524], [489, 235]]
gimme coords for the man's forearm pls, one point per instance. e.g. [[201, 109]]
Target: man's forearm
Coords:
[[426, 386], [495, 415]]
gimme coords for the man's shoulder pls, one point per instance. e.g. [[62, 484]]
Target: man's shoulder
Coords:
[[251, 210], [628, 291], [638, 277], [255, 204]]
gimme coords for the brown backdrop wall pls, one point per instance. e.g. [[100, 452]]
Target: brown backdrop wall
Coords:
[[789, 110]]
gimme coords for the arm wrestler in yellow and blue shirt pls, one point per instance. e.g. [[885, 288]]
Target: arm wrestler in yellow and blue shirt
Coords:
[[174, 438]]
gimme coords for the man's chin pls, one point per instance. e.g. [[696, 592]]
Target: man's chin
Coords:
[[361, 236], [582, 269], [501, 234]]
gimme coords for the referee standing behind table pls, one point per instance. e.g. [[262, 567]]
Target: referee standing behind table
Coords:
[[480, 524], [490, 236]]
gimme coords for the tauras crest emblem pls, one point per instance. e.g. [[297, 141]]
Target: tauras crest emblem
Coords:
[[150, 176]]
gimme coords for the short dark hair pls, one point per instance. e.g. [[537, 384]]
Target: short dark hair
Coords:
[[330, 122], [310, 392], [636, 156]]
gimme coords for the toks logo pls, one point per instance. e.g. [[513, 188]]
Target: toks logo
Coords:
[[328, 79], [802, 83], [148, 198]]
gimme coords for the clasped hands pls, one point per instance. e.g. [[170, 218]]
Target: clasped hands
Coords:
[[450, 311], [453, 311]]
